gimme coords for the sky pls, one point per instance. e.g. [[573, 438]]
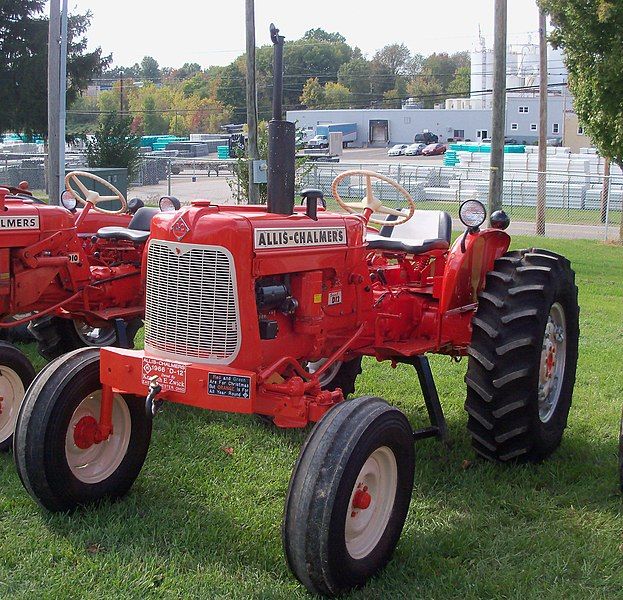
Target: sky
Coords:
[[213, 32]]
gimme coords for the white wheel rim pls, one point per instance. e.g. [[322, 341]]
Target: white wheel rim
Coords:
[[12, 393], [99, 461], [365, 526], [94, 336], [328, 376], [553, 359]]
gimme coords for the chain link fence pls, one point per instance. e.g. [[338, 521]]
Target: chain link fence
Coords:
[[577, 205]]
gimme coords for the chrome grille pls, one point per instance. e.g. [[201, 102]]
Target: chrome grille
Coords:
[[192, 304]]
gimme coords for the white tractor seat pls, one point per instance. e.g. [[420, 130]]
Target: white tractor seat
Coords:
[[425, 230]]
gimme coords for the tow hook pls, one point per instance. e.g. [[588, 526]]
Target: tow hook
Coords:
[[152, 406]]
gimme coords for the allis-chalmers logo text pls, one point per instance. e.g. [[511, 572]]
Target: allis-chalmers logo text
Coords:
[[287, 238], [19, 222]]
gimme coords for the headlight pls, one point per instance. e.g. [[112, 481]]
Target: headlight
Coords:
[[169, 204], [472, 213], [69, 201]]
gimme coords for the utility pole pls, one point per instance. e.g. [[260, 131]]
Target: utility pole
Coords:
[[121, 94], [56, 136], [253, 153], [499, 107], [542, 164]]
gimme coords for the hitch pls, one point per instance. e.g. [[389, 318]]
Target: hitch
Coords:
[[153, 406]]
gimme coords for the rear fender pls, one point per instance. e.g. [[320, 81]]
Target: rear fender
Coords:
[[467, 266]]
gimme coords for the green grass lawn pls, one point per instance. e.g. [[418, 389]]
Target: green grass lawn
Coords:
[[200, 523]]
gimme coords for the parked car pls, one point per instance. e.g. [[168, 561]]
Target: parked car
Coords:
[[397, 150], [318, 141], [426, 137], [415, 149], [434, 150]]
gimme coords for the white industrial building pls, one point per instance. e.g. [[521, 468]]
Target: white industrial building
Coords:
[[465, 118]]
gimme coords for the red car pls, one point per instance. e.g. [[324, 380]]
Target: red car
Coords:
[[434, 150]]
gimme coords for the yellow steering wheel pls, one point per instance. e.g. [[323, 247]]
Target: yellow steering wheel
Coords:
[[91, 196], [371, 204]]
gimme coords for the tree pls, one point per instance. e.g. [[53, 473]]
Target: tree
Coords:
[[313, 95], [187, 70], [23, 70], [461, 83], [114, 144], [336, 95], [320, 35], [82, 116], [591, 34], [443, 66], [396, 57], [426, 88], [355, 75], [150, 69]]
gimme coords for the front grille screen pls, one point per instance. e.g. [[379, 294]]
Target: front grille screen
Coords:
[[191, 306]]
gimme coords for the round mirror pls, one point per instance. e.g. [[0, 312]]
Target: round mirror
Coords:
[[472, 213], [69, 201], [169, 204]]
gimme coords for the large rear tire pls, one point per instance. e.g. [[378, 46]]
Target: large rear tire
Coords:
[[523, 356], [55, 461], [16, 374], [349, 495]]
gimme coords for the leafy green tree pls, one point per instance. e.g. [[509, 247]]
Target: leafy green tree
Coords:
[[309, 57], [114, 144], [187, 70], [82, 116], [150, 69], [232, 89], [337, 95], [23, 69], [460, 85], [313, 95], [591, 34], [443, 66], [396, 57], [426, 88], [320, 35], [356, 76], [154, 123]]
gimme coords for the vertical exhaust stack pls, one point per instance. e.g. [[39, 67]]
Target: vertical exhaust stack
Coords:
[[281, 141]]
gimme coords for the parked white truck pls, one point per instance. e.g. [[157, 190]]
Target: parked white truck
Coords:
[[321, 139]]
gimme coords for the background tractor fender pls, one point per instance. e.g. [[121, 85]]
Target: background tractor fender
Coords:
[[467, 266]]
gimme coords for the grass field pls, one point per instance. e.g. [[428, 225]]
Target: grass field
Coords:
[[203, 523]]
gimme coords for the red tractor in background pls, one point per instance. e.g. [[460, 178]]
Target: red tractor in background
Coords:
[[72, 274], [270, 309]]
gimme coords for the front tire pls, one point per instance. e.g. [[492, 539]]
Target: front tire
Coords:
[[56, 460], [349, 495], [523, 356], [16, 374]]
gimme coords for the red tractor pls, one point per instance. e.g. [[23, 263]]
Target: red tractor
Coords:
[[73, 275], [269, 310]]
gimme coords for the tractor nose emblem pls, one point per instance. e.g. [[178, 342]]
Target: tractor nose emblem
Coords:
[[180, 228]]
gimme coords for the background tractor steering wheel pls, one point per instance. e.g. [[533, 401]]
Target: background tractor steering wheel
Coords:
[[91, 196], [370, 202]]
